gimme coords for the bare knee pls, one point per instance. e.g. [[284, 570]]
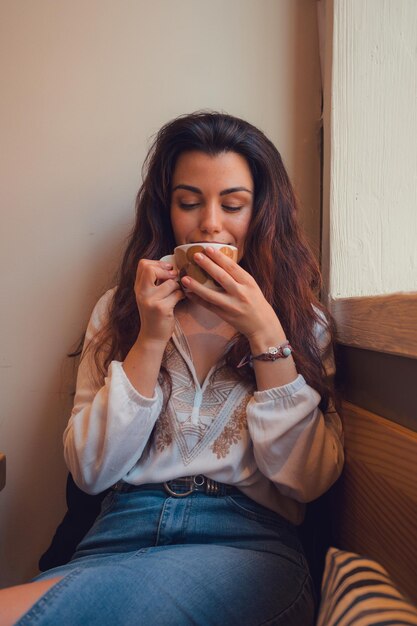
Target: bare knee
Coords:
[[15, 601]]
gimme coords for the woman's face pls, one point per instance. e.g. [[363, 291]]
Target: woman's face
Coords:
[[212, 199]]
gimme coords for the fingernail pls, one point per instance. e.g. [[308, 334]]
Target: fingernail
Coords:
[[210, 249], [168, 266], [185, 280], [199, 256]]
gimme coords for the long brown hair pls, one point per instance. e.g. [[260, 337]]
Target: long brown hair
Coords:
[[276, 252]]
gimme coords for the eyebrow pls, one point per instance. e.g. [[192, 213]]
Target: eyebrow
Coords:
[[222, 193]]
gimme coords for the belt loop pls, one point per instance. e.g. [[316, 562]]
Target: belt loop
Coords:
[[212, 487]]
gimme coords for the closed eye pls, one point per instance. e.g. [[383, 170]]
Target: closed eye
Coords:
[[183, 205], [193, 205], [232, 208]]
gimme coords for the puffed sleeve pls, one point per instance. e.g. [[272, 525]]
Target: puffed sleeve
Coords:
[[109, 425], [296, 446]]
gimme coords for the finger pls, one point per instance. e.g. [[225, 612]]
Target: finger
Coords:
[[215, 298], [226, 263], [172, 300], [166, 288], [149, 272], [218, 273], [144, 263], [148, 267], [178, 296]]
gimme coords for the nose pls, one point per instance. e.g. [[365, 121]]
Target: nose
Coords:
[[211, 218]]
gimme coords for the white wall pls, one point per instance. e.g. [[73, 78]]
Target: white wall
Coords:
[[371, 148], [85, 83]]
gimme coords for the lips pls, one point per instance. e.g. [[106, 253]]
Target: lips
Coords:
[[224, 243]]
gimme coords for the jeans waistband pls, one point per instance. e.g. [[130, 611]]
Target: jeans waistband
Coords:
[[183, 486]]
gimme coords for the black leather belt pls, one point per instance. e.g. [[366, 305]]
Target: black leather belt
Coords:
[[182, 487]]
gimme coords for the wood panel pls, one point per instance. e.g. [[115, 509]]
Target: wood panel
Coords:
[[382, 323], [2, 470], [375, 501], [382, 383]]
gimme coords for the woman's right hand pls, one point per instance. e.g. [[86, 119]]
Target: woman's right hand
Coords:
[[157, 293]]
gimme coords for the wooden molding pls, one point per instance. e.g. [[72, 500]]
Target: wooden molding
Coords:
[[375, 501], [2, 470], [382, 323]]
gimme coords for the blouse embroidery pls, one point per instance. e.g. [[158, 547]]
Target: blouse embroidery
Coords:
[[197, 418], [232, 432]]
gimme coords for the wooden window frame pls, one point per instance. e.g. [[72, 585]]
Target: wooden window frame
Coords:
[[386, 323]]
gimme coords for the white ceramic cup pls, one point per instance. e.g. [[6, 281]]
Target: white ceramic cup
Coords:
[[183, 261]]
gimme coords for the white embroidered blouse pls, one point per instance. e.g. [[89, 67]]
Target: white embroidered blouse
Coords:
[[275, 445]]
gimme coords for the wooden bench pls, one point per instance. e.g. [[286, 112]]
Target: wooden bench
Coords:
[[374, 505]]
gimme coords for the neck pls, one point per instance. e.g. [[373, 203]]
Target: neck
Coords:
[[199, 314]]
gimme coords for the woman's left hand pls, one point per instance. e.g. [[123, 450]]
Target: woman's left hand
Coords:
[[241, 304]]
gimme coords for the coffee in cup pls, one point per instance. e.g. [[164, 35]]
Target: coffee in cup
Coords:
[[183, 261]]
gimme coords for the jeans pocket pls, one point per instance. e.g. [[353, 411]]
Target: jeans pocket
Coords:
[[252, 510], [279, 533]]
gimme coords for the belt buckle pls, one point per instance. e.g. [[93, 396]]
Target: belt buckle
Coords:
[[194, 487]]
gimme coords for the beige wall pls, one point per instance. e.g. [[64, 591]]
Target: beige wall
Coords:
[[371, 149], [85, 83]]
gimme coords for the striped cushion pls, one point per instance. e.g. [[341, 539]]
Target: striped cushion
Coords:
[[357, 591]]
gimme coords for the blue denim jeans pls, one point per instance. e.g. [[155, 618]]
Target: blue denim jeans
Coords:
[[155, 559]]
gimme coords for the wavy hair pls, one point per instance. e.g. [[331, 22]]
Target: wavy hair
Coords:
[[276, 253]]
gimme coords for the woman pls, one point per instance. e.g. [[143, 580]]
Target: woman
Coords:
[[211, 441]]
